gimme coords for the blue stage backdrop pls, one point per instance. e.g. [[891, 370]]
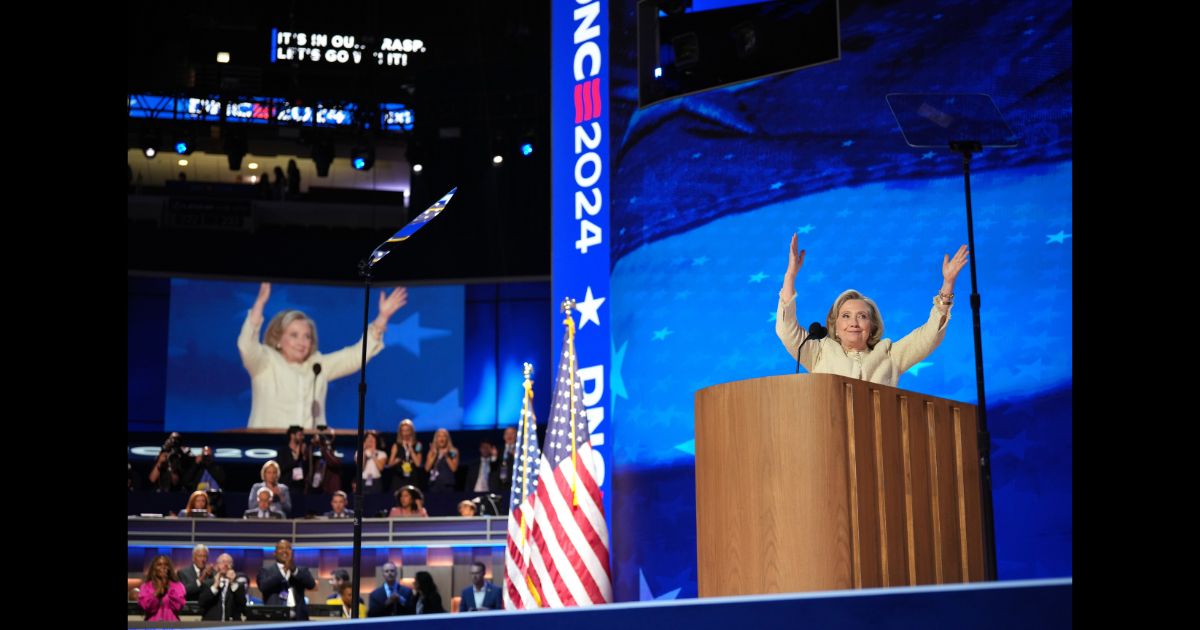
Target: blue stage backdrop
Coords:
[[707, 190], [453, 355]]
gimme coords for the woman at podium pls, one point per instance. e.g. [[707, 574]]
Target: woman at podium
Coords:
[[855, 346], [288, 375]]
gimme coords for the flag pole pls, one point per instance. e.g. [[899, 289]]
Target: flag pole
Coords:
[[523, 432], [567, 306]]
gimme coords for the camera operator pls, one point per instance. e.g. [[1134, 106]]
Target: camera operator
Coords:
[[325, 472], [293, 462], [169, 468], [207, 475]]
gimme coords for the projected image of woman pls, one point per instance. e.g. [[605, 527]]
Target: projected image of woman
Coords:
[[855, 345], [286, 385]]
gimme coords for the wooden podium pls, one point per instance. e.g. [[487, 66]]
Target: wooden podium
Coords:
[[818, 482]]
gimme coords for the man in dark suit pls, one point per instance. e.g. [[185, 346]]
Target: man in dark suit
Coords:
[[484, 475], [226, 598], [482, 594], [283, 583], [338, 503], [391, 598], [508, 457], [265, 508], [197, 575]]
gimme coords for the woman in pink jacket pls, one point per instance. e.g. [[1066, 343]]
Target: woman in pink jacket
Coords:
[[161, 596]]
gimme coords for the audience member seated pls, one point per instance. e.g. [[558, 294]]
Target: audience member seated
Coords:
[[264, 509], [410, 502], [197, 506], [338, 503], [279, 492], [467, 507], [346, 599]]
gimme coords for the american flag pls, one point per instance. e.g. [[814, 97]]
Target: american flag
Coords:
[[520, 513], [568, 560]]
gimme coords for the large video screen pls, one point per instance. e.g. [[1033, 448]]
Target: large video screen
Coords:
[[418, 374]]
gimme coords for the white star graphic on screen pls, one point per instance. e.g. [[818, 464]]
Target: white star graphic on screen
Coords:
[[409, 334], [916, 369], [618, 361], [445, 408], [805, 229], [1057, 238], [589, 309], [646, 594]]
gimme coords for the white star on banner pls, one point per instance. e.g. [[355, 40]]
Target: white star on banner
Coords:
[[589, 309]]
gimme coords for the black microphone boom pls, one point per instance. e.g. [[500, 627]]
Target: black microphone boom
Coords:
[[316, 407], [815, 331]]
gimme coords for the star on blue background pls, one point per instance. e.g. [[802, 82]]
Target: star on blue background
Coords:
[[1057, 238], [646, 595], [444, 409], [409, 334]]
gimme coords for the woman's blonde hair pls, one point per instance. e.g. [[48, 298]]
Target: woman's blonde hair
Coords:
[[449, 441], [270, 464]]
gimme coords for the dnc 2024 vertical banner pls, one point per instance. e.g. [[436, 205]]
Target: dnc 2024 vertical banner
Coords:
[[579, 208]]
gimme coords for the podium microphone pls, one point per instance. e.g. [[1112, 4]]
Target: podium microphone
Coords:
[[815, 331], [316, 406]]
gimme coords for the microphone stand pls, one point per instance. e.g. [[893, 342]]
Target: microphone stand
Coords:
[[364, 270], [967, 148], [815, 331]]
